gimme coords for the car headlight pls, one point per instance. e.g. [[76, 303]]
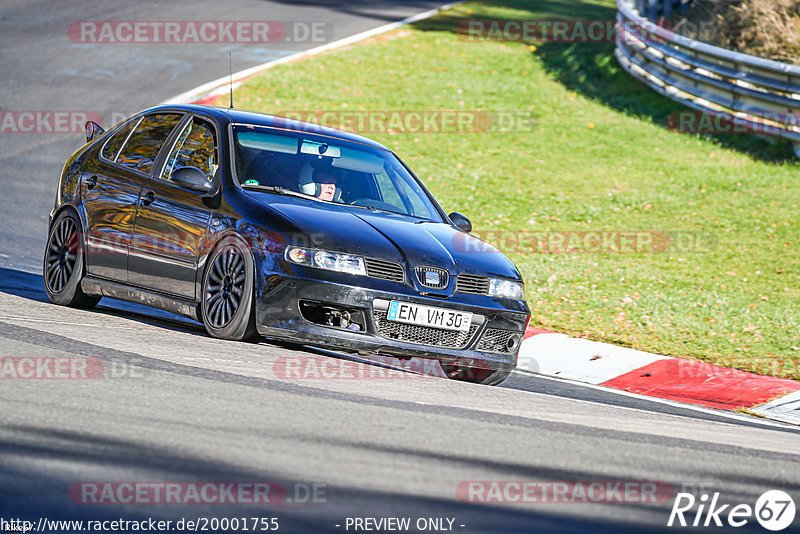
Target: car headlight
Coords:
[[331, 261], [506, 289]]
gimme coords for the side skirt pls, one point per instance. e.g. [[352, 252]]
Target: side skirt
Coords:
[[116, 290]]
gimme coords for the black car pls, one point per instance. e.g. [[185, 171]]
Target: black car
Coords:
[[258, 225]]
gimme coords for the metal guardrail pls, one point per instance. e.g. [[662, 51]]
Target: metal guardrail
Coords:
[[760, 95]]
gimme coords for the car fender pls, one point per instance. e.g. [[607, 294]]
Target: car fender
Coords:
[[258, 241]]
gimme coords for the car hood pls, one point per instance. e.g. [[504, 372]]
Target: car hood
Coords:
[[388, 236]]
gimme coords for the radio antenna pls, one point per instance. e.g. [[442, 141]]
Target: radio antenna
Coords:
[[230, 70]]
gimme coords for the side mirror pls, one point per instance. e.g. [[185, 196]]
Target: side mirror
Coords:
[[93, 131], [461, 221], [194, 179]]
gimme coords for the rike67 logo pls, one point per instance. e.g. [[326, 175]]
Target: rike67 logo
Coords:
[[774, 510]]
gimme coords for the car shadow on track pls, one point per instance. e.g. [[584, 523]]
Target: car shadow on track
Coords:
[[31, 286], [44, 470]]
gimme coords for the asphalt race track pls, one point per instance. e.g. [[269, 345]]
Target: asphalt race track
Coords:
[[176, 406]]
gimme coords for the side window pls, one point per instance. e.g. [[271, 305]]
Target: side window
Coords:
[[113, 145], [142, 148], [196, 147]]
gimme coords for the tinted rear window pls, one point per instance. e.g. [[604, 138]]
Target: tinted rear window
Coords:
[[142, 148]]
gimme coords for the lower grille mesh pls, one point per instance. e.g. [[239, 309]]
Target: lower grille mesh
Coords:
[[494, 340], [423, 335]]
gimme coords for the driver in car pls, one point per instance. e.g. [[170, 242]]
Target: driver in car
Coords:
[[323, 185], [327, 185]]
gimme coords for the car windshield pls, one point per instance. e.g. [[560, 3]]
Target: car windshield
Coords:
[[328, 169]]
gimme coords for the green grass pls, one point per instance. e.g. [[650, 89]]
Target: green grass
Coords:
[[599, 158]]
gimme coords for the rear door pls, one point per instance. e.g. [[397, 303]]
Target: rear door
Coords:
[[171, 222], [111, 189]]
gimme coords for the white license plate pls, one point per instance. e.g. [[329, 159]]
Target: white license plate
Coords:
[[405, 312]]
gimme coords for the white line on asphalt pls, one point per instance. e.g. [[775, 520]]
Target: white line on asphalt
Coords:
[[224, 82]]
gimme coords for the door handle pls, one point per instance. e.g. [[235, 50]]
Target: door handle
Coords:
[[91, 182], [148, 198]]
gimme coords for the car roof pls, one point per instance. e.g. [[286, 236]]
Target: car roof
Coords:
[[227, 115]]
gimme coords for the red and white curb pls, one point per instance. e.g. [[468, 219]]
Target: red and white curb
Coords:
[[558, 355]]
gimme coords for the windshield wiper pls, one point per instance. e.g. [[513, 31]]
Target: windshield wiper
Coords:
[[277, 190], [375, 208]]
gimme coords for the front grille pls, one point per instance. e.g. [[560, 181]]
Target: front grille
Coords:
[[440, 277], [423, 335], [472, 283], [494, 340], [385, 270]]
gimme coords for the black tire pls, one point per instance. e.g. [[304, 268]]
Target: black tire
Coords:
[[63, 266], [475, 375], [227, 308]]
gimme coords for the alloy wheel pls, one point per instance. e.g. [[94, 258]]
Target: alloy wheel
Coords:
[[225, 287], [62, 254]]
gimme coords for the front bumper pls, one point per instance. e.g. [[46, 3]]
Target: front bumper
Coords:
[[279, 316]]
